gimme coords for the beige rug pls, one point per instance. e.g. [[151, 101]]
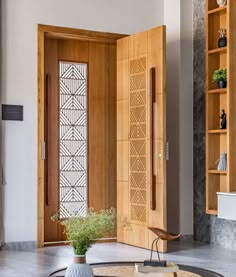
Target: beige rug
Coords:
[[128, 271]]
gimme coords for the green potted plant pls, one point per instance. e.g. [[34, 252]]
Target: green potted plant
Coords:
[[82, 232], [220, 77]]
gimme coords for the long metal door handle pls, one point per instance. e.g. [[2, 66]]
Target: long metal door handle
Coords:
[[152, 137]]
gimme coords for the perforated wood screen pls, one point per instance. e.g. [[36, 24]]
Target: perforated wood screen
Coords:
[[138, 140], [73, 144]]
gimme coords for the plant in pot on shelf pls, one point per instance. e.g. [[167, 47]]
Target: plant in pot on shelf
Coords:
[[82, 232], [220, 77]]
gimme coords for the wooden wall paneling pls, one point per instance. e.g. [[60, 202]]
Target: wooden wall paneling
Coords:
[[52, 140]]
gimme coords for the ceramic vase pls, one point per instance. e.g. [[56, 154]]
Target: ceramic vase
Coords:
[[222, 165], [221, 3], [79, 268], [222, 42]]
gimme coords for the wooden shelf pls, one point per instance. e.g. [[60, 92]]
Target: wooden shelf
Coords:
[[219, 90], [218, 131], [217, 10], [218, 140], [214, 171], [213, 212], [218, 51]]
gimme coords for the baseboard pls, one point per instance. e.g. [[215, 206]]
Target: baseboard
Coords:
[[20, 246]]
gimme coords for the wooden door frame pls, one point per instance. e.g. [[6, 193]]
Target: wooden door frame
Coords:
[[55, 32]]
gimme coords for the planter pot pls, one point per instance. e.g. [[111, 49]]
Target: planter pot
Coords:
[[222, 84], [221, 3], [222, 42], [79, 268]]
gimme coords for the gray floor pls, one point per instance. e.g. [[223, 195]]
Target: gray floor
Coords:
[[41, 262]]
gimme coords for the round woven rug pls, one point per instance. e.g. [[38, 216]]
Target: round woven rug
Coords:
[[126, 269]]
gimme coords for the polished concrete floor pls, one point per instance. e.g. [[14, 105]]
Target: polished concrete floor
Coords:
[[41, 262]]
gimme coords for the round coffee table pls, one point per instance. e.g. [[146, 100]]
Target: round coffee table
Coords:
[[126, 269]]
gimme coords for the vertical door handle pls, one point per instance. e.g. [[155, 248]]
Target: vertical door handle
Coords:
[[45, 144], [152, 138]]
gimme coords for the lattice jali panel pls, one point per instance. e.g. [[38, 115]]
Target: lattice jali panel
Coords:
[[138, 141], [138, 131], [138, 180], [138, 82], [73, 139], [138, 98], [138, 115], [138, 147], [138, 196], [138, 213], [138, 66]]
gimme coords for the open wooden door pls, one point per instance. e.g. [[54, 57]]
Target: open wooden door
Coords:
[[141, 136]]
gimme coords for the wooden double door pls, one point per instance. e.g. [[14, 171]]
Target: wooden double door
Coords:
[[141, 136], [120, 161]]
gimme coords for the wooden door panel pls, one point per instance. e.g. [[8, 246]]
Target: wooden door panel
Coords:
[[136, 55], [98, 102], [101, 140], [73, 50], [52, 140]]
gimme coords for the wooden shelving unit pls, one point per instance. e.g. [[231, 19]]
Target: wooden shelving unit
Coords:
[[218, 140]]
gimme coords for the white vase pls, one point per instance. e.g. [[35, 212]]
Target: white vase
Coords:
[[221, 3], [222, 165], [79, 268]]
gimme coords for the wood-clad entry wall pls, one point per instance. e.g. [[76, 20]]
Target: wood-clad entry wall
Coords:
[[100, 56]]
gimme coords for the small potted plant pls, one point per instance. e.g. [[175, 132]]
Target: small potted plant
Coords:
[[82, 232], [220, 77]]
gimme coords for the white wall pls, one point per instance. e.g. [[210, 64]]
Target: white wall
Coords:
[[186, 117], [19, 67], [178, 19]]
